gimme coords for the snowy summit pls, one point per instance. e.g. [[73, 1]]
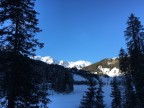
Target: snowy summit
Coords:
[[77, 64]]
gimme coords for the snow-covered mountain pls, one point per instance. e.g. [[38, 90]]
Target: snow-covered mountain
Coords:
[[77, 64], [109, 67], [110, 72]]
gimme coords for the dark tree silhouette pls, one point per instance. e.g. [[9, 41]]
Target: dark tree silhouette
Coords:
[[129, 98], [115, 94], [123, 61], [99, 96], [19, 26], [22, 86], [89, 100], [135, 44]]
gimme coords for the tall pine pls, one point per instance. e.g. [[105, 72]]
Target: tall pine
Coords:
[[22, 86], [89, 100], [115, 94], [129, 98], [123, 61], [19, 26], [134, 38], [99, 95]]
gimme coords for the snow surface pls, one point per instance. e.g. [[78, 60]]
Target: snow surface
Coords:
[[78, 78], [107, 90], [77, 64], [107, 98], [110, 72], [73, 99]]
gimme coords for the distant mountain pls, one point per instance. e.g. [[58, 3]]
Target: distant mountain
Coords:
[[109, 67], [49, 60]]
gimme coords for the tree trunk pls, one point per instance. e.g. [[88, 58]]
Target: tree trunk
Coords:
[[11, 102], [11, 97]]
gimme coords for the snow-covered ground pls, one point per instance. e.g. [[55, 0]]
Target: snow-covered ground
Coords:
[[78, 78], [73, 99], [107, 98]]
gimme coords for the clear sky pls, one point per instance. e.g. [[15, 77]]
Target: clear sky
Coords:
[[84, 29]]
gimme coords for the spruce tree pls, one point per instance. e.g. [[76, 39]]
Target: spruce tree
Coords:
[[135, 38], [22, 85], [129, 98], [123, 61], [115, 94], [89, 100], [99, 95], [19, 26]]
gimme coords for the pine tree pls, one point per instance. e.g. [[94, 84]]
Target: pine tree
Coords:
[[123, 61], [99, 96], [19, 26], [89, 100], [129, 98], [115, 94], [21, 83], [135, 38]]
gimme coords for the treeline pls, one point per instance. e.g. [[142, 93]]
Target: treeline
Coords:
[[23, 77], [59, 78]]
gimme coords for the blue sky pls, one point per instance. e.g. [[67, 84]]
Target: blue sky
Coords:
[[84, 29]]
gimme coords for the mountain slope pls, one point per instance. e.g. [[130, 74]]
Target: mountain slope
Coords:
[[49, 60], [109, 67]]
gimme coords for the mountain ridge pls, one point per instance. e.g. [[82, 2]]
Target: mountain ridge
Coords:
[[108, 66], [77, 64]]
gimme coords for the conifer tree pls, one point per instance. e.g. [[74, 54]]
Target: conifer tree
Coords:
[[99, 96], [115, 94], [19, 26], [21, 84], [123, 61], [129, 98], [89, 100], [135, 38]]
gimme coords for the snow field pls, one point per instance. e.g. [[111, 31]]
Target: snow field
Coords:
[[72, 100]]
